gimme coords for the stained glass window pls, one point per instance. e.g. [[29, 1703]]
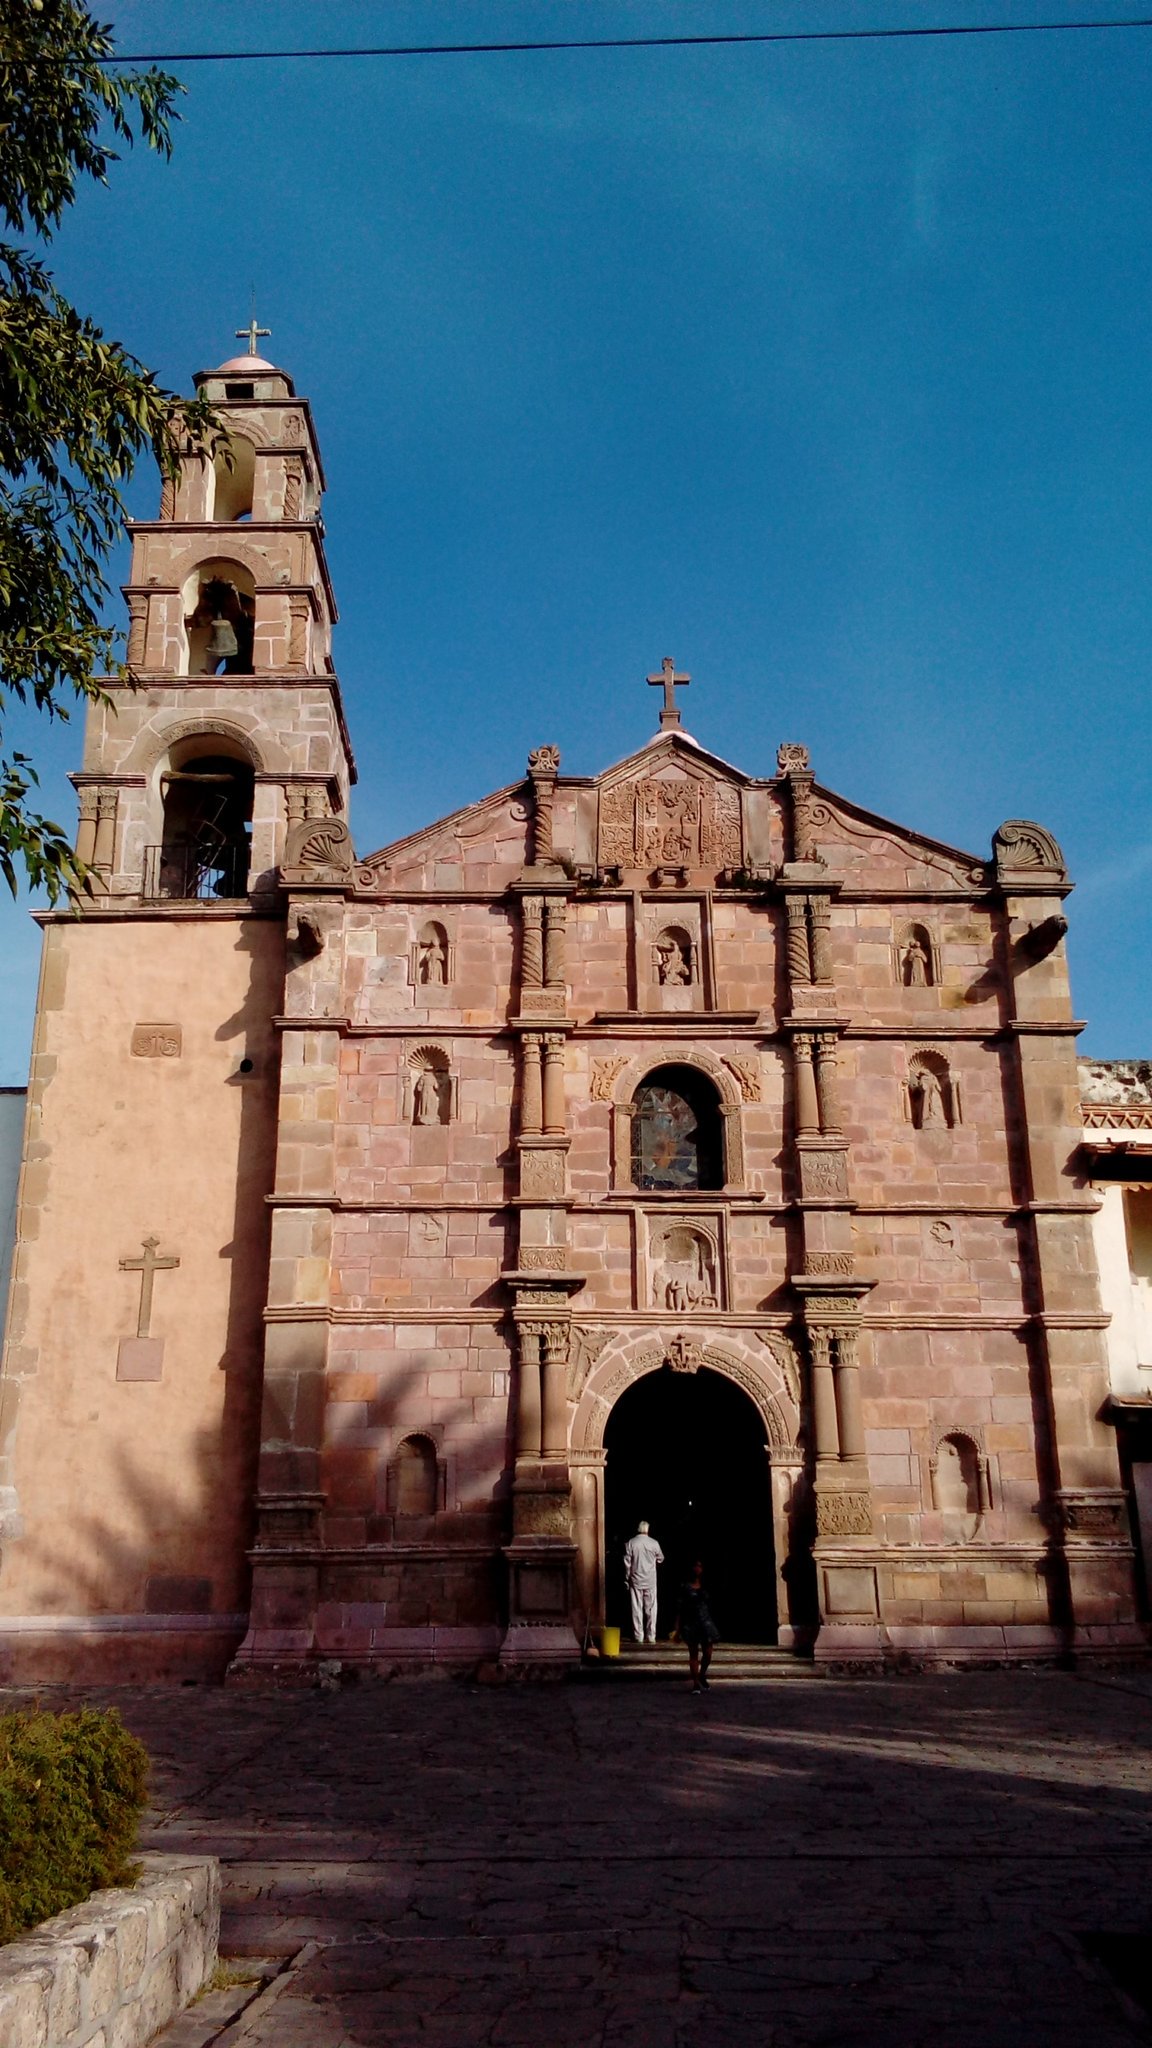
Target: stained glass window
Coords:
[[676, 1132]]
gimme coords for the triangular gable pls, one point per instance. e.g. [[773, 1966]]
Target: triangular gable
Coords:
[[480, 836], [867, 850]]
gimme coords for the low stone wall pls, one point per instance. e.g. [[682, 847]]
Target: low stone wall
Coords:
[[116, 1968]]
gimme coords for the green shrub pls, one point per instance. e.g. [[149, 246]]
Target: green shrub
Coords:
[[72, 1789]]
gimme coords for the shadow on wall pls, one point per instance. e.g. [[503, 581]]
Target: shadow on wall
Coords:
[[173, 1548]]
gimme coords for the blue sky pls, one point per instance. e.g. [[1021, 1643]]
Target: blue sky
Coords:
[[826, 369]]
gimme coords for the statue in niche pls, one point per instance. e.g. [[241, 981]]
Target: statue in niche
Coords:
[[931, 1098], [915, 962], [428, 1097], [432, 957], [684, 1280], [673, 961]]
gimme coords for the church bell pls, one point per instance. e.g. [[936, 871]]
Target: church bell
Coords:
[[222, 641]]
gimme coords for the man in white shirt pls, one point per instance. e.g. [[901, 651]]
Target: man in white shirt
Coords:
[[642, 1554]]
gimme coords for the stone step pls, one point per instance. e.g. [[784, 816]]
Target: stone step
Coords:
[[670, 1661]]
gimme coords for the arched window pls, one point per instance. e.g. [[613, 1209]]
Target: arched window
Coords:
[[204, 853], [677, 1138], [233, 480], [416, 1477]]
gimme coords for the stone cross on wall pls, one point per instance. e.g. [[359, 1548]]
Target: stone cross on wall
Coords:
[[667, 681], [141, 1357]]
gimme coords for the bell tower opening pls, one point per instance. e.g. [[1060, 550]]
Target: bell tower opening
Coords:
[[220, 619], [688, 1453], [205, 852]]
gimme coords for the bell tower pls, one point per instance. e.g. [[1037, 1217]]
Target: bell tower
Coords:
[[131, 1379], [234, 729]]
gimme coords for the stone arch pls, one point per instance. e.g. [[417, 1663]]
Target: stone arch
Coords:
[[153, 744], [754, 1366], [633, 1073], [932, 1091], [239, 549]]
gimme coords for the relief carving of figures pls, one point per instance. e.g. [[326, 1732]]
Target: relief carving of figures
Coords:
[[604, 1076], [721, 832], [685, 1277], [747, 1074]]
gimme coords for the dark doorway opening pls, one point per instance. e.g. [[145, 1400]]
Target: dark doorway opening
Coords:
[[687, 1453]]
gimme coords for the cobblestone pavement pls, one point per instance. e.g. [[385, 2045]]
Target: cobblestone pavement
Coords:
[[911, 1862]]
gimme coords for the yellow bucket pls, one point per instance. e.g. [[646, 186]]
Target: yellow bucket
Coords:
[[609, 1642]]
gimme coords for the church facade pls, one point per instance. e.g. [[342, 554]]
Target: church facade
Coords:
[[676, 1141]]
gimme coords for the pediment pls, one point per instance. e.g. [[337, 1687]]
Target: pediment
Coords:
[[865, 850], [671, 806], [469, 848]]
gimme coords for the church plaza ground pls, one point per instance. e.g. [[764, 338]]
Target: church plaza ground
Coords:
[[913, 1861]]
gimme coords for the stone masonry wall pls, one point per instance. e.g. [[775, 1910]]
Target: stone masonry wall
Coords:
[[112, 1971]]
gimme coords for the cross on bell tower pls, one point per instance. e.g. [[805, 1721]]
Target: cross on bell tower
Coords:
[[252, 334], [667, 681]]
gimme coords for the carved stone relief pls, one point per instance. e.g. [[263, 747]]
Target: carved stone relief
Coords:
[[318, 849], [673, 962], [747, 1075], [584, 1349], [157, 1041], [542, 1173], [550, 1258], [816, 1263], [605, 1074], [684, 1259], [1019, 843], [823, 1173], [427, 1234], [843, 1514], [671, 821]]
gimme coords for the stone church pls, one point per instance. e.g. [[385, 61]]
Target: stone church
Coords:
[[396, 1228]]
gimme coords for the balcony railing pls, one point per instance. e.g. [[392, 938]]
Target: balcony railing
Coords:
[[180, 873]]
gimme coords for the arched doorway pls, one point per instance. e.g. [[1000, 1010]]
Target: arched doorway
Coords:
[[687, 1452]]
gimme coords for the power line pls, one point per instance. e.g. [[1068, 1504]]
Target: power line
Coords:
[[815, 35]]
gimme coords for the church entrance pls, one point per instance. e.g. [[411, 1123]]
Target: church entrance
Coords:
[[687, 1453]]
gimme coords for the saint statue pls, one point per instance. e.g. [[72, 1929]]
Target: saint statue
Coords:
[[915, 963], [426, 1097], [673, 968], [931, 1098], [432, 960]]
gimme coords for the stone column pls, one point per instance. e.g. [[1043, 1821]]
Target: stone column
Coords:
[[554, 1367], [803, 840], [807, 1102], [104, 852], [531, 1099], [556, 916], [86, 829], [137, 630], [848, 1411], [532, 956], [820, 911], [528, 1403], [824, 1420], [543, 787], [829, 1105], [553, 1083], [799, 965]]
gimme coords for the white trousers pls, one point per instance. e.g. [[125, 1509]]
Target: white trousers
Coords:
[[643, 1612]]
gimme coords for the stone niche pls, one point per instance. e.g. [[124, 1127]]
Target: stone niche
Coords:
[[683, 1264], [670, 969]]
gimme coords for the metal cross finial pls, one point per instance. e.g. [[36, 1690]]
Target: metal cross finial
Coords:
[[147, 1267], [667, 681], [252, 334]]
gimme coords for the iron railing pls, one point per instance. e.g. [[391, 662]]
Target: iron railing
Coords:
[[186, 873]]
